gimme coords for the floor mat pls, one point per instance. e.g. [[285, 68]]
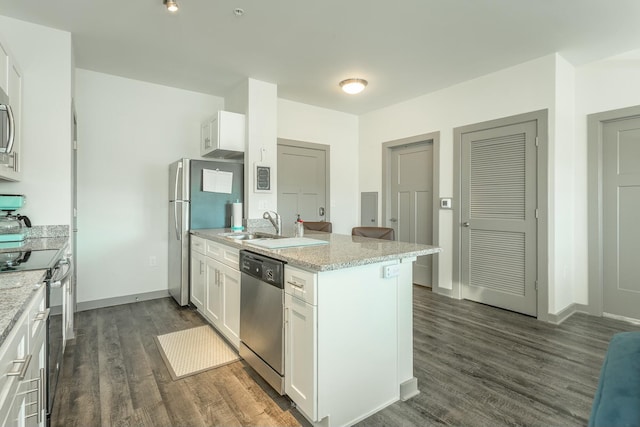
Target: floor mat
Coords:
[[194, 350]]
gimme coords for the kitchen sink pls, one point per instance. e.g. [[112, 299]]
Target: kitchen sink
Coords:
[[251, 236]]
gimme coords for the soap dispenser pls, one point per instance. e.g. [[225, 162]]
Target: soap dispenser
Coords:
[[298, 227]]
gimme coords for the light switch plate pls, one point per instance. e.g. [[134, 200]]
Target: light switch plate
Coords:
[[446, 203]]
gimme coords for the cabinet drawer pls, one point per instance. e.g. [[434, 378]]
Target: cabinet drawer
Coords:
[[14, 349], [38, 314], [214, 250], [301, 284], [198, 244], [231, 257], [224, 254]]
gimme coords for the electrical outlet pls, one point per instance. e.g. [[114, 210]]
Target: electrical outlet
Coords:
[[153, 261]]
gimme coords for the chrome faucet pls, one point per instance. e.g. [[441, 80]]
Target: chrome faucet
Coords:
[[277, 223]]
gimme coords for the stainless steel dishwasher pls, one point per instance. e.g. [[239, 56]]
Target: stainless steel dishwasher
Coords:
[[261, 316]]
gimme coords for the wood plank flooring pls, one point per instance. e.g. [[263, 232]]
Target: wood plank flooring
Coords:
[[476, 366]]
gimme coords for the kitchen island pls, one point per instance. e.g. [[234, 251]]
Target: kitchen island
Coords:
[[348, 322]]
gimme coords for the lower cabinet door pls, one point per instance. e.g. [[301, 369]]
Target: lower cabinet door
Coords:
[[213, 291], [231, 301], [301, 363], [16, 414], [198, 274]]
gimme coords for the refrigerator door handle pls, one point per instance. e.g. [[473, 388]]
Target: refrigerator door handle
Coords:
[[175, 219], [175, 180]]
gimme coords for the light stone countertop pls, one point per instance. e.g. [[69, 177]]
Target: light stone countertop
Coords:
[[16, 291], [343, 251], [17, 288]]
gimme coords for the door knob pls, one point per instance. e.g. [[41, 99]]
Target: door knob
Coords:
[[466, 224], [393, 219], [321, 211]]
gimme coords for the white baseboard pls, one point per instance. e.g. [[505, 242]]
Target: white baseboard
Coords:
[[127, 299], [623, 318], [567, 312], [409, 389]]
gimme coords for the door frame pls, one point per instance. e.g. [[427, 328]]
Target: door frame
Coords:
[[387, 147], [327, 176], [595, 195], [542, 268]]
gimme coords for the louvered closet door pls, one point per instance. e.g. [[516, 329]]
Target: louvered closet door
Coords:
[[498, 229]]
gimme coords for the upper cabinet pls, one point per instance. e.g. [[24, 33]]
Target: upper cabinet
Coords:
[[11, 84], [222, 136], [4, 68]]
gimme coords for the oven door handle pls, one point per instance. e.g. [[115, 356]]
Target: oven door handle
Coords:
[[57, 282]]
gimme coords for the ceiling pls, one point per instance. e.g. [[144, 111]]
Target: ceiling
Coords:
[[404, 48]]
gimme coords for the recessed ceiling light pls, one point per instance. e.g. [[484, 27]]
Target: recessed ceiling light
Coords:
[[353, 86], [172, 6], [238, 11]]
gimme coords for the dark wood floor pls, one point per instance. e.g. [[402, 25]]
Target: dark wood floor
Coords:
[[476, 366]]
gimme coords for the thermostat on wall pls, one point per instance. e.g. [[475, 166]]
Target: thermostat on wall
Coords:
[[445, 203]]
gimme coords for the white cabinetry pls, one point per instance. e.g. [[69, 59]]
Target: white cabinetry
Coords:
[[198, 272], [22, 366], [4, 68], [230, 323], [223, 135], [11, 83], [344, 355], [301, 324], [219, 279], [213, 303]]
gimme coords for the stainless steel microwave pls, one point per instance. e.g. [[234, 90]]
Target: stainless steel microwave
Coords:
[[7, 124]]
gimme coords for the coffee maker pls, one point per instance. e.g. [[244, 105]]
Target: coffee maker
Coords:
[[12, 227]]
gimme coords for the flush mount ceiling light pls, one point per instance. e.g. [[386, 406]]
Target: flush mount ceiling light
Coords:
[[353, 86], [172, 6]]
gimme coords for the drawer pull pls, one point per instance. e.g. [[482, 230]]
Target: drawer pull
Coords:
[[23, 370], [294, 284], [42, 315]]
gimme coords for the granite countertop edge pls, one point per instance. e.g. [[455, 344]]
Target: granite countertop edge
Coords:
[[18, 288], [304, 256], [16, 292]]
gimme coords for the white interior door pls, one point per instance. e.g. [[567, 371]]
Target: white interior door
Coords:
[[302, 182], [498, 211], [621, 206], [411, 173]]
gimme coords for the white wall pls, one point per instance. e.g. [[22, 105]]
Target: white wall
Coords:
[[605, 85], [563, 239], [262, 145], [303, 122], [128, 133], [44, 55], [523, 88]]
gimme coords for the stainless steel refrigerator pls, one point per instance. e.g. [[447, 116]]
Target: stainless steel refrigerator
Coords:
[[191, 208]]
